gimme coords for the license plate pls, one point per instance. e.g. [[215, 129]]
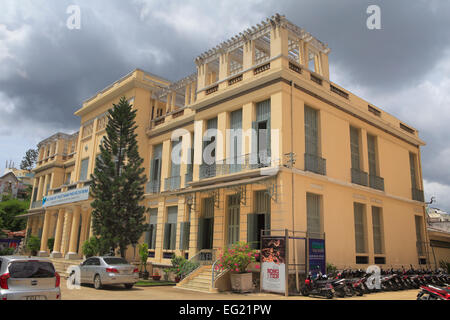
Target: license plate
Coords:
[[35, 298]]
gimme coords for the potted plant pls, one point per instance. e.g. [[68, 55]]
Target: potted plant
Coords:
[[33, 244], [156, 275], [178, 263], [166, 273], [236, 259], [143, 253]]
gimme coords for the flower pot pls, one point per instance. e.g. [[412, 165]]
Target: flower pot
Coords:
[[156, 277], [241, 282], [144, 275], [177, 279]]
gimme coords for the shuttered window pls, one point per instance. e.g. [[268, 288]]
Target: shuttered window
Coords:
[[313, 215], [355, 148], [185, 229], [151, 233], [372, 155], [170, 228], [311, 131], [377, 230], [412, 164], [210, 125], [84, 169], [360, 234]]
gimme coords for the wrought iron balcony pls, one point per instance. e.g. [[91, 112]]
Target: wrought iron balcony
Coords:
[[359, 177], [172, 183], [207, 170], [153, 186], [376, 182], [316, 164], [417, 195]]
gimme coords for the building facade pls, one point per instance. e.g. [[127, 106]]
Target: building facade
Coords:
[[287, 149]]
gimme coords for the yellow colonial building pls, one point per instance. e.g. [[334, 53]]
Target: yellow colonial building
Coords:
[[288, 149]]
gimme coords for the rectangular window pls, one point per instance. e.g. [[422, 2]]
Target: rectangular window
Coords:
[[380, 260], [262, 148], [259, 220], [155, 169], [170, 228], [84, 169], [360, 227], [185, 228], [377, 230], [313, 215], [233, 219], [152, 227], [362, 260]]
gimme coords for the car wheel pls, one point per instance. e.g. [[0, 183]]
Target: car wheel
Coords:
[[72, 277], [97, 282], [128, 285]]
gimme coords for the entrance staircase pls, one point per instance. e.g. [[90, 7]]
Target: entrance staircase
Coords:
[[62, 264], [199, 280]]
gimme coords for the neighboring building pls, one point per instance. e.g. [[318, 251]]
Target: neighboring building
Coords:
[[12, 186], [357, 176], [438, 227]]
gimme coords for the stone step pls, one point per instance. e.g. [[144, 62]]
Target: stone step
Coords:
[[195, 287], [200, 280]]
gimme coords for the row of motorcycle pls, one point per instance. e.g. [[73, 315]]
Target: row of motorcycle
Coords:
[[433, 284]]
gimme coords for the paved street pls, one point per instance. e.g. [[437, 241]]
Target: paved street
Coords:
[[171, 293]]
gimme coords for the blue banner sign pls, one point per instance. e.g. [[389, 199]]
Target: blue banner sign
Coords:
[[66, 197], [317, 255]]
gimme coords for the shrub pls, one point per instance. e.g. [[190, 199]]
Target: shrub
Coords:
[[237, 257], [33, 244], [91, 247], [143, 253], [331, 268], [6, 251]]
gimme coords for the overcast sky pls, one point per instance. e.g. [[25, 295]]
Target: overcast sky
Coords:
[[47, 70]]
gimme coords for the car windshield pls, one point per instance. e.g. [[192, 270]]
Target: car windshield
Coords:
[[31, 269], [113, 261]]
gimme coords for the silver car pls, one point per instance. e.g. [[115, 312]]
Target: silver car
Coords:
[[28, 278], [105, 270]]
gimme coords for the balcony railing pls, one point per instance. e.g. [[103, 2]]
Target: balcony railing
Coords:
[[359, 177], [36, 204], [207, 170], [316, 164], [153, 186], [172, 183], [417, 195], [376, 182]]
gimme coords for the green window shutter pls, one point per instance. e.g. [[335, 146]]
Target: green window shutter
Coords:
[[173, 236], [371, 150], [184, 235], [267, 223], [412, 164], [360, 238], [254, 144], [147, 235], [153, 236], [166, 244], [311, 131], [314, 225], [377, 231], [354, 148], [252, 230], [268, 137], [175, 168]]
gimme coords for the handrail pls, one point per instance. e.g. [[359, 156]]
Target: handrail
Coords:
[[195, 257], [214, 275]]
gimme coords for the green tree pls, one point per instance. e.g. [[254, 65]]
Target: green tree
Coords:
[[9, 209], [29, 159], [118, 182]]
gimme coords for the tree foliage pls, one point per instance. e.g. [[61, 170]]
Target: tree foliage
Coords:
[[9, 209], [29, 159], [118, 182]]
